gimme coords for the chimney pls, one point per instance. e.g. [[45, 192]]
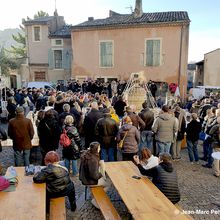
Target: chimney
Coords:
[[90, 18], [138, 12]]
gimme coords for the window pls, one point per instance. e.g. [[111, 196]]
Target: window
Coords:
[[106, 53], [58, 58], [153, 53], [36, 33], [57, 42]]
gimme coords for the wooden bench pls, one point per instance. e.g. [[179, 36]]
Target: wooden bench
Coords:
[[108, 210], [57, 209]]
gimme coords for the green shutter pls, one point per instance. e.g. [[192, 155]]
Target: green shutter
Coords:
[[50, 59], [156, 54], [67, 57], [153, 52], [106, 54], [149, 52]]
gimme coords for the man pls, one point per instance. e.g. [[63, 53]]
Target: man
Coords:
[[146, 134], [164, 127], [90, 122], [21, 131], [136, 120], [106, 130], [164, 176], [120, 106]]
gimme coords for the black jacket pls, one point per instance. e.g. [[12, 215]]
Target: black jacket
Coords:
[[72, 152], [89, 169], [165, 178], [119, 107], [57, 179], [193, 129], [106, 130]]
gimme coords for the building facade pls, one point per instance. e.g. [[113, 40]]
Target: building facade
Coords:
[[212, 68], [115, 47], [49, 49]]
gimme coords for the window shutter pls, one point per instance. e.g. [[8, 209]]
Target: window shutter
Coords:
[[66, 62], [106, 54], [50, 59], [156, 55], [149, 53]]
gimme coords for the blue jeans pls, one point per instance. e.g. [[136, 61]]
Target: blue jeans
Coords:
[[108, 154], [146, 140], [163, 147], [22, 158], [192, 150], [74, 166]]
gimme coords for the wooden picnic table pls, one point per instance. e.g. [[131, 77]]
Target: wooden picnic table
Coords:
[[142, 198], [27, 202]]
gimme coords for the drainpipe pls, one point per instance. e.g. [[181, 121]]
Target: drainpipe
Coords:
[[180, 55]]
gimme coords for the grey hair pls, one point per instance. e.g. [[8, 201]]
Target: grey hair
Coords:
[[66, 107]]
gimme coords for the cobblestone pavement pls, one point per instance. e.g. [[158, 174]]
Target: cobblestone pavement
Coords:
[[199, 191]]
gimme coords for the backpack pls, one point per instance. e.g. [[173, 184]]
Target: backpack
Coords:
[[64, 139]]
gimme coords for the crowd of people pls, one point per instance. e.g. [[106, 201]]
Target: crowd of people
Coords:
[[102, 126]]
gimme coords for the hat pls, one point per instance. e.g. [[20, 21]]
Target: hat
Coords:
[[19, 109]]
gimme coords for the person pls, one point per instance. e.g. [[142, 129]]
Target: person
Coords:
[[164, 127], [131, 137], [72, 153], [3, 136], [119, 106], [90, 167], [148, 160], [21, 131], [192, 136], [11, 106], [57, 179], [215, 135], [146, 134], [49, 133], [106, 129], [164, 176], [136, 120], [176, 147], [90, 122]]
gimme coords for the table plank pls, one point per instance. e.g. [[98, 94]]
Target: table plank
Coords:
[[142, 198], [27, 202]]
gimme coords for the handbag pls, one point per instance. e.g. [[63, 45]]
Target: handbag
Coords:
[[121, 142]]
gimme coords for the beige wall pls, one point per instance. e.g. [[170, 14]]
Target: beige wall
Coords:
[[212, 68], [129, 49], [38, 51]]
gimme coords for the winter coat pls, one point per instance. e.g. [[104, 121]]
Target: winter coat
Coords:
[[215, 135], [182, 127], [72, 152], [56, 177], [106, 130], [193, 129], [132, 139], [165, 179], [119, 107], [165, 127], [21, 131], [136, 120], [89, 169], [11, 110], [148, 117], [89, 125], [49, 133]]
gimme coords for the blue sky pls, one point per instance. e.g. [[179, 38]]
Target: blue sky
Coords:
[[204, 16]]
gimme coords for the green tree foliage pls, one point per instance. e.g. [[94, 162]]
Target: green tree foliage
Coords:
[[41, 14], [6, 63]]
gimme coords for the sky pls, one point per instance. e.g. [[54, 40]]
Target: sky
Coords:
[[204, 15]]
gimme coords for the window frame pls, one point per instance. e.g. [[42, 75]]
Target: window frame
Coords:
[[106, 41], [145, 51], [53, 42], [33, 33], [61, 49]]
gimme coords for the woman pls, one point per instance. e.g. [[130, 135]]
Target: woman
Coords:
[[164, 176], [131, 137], [148, 160], [92, 171], [57, 179], [72, 152]]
